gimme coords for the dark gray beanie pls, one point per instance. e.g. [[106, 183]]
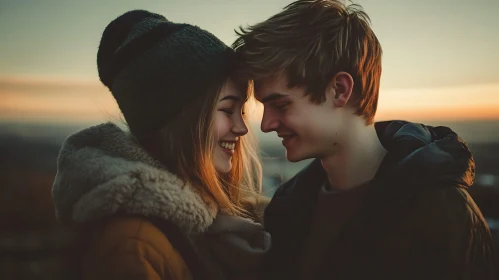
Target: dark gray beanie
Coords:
[[153, 67]]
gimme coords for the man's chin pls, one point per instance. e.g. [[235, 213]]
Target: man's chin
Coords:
[[295, 157]]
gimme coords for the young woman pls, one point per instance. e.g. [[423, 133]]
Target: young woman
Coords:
[[176, 197]]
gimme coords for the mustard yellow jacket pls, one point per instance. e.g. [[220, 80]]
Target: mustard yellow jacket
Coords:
[[109, 188], [131, 247]]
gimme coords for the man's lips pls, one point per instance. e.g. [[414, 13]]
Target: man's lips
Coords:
[[285, 136]]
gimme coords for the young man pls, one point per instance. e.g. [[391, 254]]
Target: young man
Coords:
[[383, 200]]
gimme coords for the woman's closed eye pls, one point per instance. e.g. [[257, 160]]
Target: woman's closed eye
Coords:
[[228, 111]]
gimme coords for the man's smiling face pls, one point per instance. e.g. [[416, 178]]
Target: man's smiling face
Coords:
[[308, 130]]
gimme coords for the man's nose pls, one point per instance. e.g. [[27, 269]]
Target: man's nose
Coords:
[[269, 121]]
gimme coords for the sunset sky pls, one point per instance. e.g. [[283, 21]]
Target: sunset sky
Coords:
[[440, 58]]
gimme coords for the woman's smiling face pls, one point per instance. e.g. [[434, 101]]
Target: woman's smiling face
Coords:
[[229, 125]]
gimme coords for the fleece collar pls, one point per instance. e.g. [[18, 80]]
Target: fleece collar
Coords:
[[102, 170]]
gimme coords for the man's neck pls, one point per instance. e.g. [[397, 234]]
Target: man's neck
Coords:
[[356, 160]]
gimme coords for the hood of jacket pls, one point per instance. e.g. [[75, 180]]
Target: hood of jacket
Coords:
[[102, 170], [424, 156]]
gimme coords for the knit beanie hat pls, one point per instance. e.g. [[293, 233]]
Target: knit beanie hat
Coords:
[[153, 67]]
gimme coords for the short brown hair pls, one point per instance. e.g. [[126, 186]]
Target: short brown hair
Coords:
[[311, 41]]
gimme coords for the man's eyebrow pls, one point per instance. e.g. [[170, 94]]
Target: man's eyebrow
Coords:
[[231, 97], [273, 96]]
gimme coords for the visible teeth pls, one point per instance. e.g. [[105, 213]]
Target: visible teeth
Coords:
[[228, 145]]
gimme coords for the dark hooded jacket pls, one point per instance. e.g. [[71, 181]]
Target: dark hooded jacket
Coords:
[[417, 220]]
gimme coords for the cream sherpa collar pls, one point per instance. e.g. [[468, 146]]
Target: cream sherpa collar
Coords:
[[102, 170]]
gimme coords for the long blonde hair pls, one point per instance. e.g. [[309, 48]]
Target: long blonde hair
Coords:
[[186, 146]]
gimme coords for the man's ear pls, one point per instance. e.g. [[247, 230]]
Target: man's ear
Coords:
[[340, 88]]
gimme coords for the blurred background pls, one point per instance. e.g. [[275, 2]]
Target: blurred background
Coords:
[[440, 67]]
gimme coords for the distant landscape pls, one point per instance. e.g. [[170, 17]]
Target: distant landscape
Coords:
[[32, 242]]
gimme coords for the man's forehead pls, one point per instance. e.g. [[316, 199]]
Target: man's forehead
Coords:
[[267, 86]]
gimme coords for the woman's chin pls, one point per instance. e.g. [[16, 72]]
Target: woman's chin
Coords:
[[223, 167]]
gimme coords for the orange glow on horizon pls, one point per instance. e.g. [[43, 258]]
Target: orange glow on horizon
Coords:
[[55, 99], [461, 114], [41, 81]]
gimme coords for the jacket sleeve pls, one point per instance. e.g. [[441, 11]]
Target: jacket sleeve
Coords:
[[448, 239], [131, 259], [128, 252]]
